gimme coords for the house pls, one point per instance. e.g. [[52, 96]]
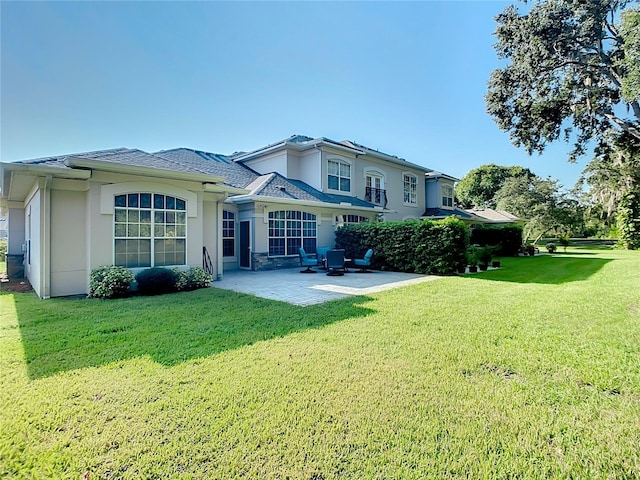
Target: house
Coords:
[[251, 210]]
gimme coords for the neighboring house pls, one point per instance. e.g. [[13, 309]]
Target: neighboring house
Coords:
[[490, 216], [182, 207]]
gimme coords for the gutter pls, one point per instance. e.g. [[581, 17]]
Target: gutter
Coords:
[[308, 203], [146, 171]]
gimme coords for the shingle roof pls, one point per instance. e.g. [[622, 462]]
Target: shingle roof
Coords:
[[441, 213], [120, 156], [236, 175], [272, 185]]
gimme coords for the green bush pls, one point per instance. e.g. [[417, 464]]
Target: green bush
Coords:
[[3, 248], [508, 238], [109, 281], [422, 246], [156, 281], [191, 279]]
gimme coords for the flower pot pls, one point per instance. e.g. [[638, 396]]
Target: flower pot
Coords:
[[483, 266], [495, 264], [473, 268]]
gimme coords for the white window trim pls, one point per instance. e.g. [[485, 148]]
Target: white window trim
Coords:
[[442, 187], [108, 192], [410, 204], [351, 169]]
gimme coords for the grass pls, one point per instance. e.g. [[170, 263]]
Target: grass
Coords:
[[530, 371]]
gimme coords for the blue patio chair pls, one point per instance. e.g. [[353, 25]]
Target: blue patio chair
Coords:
[[322, 256], [365, 262], [335, 262], [307, 261]]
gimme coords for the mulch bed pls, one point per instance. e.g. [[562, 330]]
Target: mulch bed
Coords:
[[16, 285]]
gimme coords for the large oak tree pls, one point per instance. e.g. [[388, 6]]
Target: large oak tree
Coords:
[[566, 64]]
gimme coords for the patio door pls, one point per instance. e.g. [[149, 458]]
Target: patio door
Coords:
[[245, 245]]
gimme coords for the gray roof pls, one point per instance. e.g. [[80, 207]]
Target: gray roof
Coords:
[[120, 156], [272, 185], [442, 213], [236, 175]]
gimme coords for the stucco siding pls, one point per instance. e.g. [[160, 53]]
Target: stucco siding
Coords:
[[274, 162], [69, 271], [33, 218], [15, 241]]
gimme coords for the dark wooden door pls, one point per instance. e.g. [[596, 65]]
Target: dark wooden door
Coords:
[[245, 245]]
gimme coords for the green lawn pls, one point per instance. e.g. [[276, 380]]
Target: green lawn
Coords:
[[531, 371]]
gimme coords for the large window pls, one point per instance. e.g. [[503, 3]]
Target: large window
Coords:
[[410, 189], [339, 176], [228, 233], [447, 196], [289, 230], [149, 230], [348, 219]]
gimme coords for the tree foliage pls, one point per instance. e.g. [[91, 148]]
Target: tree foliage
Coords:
[[479, 187], [630, 33], [541, 204], [567, 64], [613, 177]]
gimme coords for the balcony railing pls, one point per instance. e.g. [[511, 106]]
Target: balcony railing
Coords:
[[376, 195]]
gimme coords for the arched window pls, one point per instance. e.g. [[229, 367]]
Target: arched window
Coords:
[[150, 230]]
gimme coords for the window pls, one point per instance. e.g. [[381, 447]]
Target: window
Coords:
[[149, 230], [289, 230], [447, 196], [339, 176], [410, 189], [346, 219], [228, 233], [374, 191]]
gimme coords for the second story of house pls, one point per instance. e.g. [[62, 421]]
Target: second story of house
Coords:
[[346, 168]]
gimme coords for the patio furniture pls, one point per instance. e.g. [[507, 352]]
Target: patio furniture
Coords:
[[364, 262], [322, 256], [336, 262], [307, 261]]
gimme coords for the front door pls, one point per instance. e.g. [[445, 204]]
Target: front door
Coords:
[[245, 245]]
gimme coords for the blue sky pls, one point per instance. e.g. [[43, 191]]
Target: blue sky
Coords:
[[407, 78]]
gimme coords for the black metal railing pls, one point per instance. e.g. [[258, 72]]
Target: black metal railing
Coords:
[[376, 195], [207, 264]]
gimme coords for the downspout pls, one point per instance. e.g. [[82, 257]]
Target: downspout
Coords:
[[45, 239]]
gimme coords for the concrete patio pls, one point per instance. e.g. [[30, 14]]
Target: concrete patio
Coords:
[[291, 286]]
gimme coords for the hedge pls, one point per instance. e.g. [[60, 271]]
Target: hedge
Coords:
[[420, 246], [508, 238]]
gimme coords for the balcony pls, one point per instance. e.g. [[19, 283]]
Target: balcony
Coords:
[[376, 195]]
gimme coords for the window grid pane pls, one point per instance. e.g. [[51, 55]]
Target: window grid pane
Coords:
[[138, 221], [338, 176], [286, 237]]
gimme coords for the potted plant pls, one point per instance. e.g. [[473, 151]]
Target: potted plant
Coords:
[[462, 266], [472, 256], [485, 254], [551, 247]]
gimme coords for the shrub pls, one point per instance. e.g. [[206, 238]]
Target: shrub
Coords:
[[508, 238], [422, 246], [109, 281], [551, 247], [156, 281], [192, 279]]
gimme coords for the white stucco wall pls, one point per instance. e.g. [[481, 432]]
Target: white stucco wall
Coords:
[[16, 231], [69, 270], [32, 235]]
